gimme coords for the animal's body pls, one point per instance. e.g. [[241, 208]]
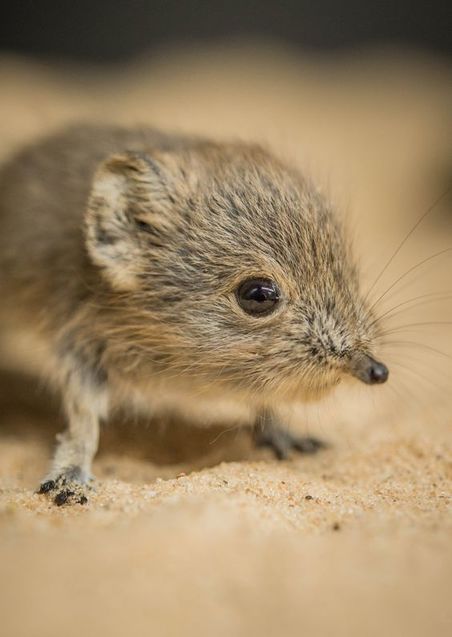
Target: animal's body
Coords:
[[140, 270]]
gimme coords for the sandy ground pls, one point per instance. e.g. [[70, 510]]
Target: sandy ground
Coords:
[[193, 532]]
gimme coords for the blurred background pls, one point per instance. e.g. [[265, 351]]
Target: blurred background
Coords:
[[330, 81], [117, 30], [359, 94]]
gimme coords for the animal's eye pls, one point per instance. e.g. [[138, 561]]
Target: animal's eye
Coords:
[[258, 296]]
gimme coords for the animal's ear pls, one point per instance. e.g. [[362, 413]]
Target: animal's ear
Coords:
[[128, 211]]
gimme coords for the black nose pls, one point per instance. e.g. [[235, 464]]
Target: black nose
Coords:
[[378, 373], [369, 371]]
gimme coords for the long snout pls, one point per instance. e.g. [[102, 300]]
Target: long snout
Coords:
[[368, 370]]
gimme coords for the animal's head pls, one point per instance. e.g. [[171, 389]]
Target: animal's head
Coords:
[[232, 269]]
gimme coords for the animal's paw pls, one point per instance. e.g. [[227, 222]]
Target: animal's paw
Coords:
[[71, 486], [282, 442]]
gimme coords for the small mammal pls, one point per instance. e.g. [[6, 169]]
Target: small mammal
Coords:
[[142, 270]]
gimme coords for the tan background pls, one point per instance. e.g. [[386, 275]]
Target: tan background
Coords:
[[193, 532]]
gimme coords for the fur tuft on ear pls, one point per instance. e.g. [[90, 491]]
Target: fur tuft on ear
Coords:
[[130, 197]]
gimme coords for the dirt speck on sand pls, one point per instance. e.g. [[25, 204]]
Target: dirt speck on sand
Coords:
[[193, 532]]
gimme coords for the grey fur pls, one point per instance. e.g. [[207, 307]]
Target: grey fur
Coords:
[[120, 254]]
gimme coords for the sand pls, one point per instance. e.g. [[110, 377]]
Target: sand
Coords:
[[191, 531]]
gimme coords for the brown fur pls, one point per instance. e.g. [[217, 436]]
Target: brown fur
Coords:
[[120, 254]]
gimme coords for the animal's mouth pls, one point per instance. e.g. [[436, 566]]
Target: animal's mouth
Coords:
[[368, 370]]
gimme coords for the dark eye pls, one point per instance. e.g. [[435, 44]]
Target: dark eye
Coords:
[[258, 296]]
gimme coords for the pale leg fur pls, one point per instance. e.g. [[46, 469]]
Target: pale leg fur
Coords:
[[85, 403]]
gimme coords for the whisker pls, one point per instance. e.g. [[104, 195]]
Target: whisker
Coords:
[[398, 328], [432, 297], [224, 431], [405, 239], [404, 386], [421, 345], [419, 375], [412, 269]]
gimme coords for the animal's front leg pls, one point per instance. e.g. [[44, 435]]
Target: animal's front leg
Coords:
[[268, 432], [85, 402]]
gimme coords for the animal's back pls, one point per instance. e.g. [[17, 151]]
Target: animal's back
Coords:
[[44, 268], [45, 187]]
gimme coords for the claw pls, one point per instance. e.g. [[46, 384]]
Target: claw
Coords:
[[62, 497], [308, 444], [47, 486], [282, 443], [69, 490]]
